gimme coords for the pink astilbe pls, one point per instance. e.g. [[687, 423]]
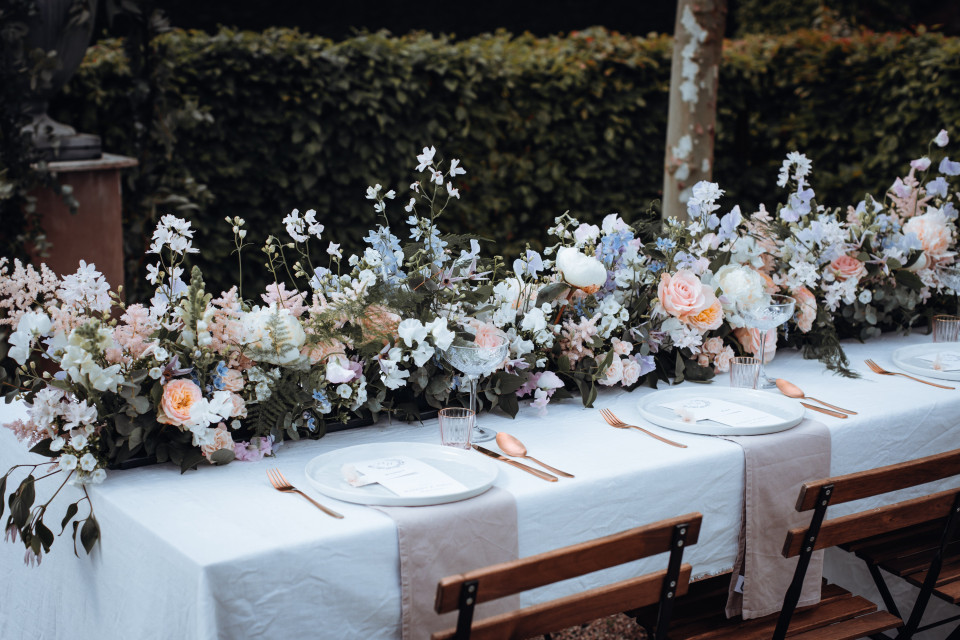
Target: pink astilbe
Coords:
[[575, 336], [225, 327], [135, 329], [25, 289], [293, 301], [65, 319], [904, 193], [26, 432]]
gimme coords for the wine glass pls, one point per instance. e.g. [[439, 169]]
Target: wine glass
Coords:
[[474, 361], [769, 314]]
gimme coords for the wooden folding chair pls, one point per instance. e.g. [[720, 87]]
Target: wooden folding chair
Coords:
[[916, 540], [912, 538], [465, 591]]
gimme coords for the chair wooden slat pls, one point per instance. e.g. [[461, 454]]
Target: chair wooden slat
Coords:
[[872, 623], [843, 606], [509, 578], [565, 612], [874, 522], [873, 482]]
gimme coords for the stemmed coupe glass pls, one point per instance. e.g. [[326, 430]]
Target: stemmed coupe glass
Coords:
[[769, 314], [474, 361]]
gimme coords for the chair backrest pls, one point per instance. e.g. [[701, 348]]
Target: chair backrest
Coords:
[[464, 591], [865, 484], [942, 506]]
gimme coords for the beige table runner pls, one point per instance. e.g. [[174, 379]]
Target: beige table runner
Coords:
[[446, 539], [776, 465]]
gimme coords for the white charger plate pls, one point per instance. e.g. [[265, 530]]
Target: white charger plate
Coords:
[[788, 411], [907, 359], [471, 469]]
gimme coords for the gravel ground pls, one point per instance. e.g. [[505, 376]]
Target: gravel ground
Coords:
[[618, 627]]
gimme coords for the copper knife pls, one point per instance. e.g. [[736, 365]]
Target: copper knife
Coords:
[[543, 475], [835, 414]]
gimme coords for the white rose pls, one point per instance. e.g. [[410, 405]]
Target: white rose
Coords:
[[276, 333], [580, 270], [740, 287]]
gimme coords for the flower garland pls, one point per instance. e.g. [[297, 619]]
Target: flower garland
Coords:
[[193, 378]]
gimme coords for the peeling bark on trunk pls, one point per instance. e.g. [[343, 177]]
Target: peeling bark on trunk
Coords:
[[691, 122]]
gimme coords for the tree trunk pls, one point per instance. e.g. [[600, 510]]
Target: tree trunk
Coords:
[[691, 122]]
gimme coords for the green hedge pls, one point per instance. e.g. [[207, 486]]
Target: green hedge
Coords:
[[272, 121]]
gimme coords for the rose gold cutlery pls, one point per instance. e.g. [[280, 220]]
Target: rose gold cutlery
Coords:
[[878, 369], [614, 421], [511, 446], [829, 412], [793, 391], [543, 475], [280, 483]]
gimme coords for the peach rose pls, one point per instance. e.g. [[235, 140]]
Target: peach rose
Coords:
[[631, 372], [749, 339], [379, 322], [710, 318], [847, 267], [621, 347], [614, 372], [932, 230], [713, 345], [222, 440], [232, 380], [721, 363], [178, 396], [323, 350], [239, 407], [703, 359], [682, 293], [806, 309], [488, 336]]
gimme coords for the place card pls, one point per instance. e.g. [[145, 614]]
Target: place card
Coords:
[[943, 360], [402, 475], [722, 411]]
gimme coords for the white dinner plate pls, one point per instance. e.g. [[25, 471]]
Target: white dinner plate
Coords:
[[907, 359], [788, 412], [471, 469]]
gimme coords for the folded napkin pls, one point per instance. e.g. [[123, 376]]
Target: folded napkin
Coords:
[[447, 539], [776, 465]]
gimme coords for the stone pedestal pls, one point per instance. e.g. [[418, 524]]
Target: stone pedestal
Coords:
[[95, 232]]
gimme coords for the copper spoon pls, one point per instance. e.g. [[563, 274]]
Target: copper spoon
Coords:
[[793, 391], [513, 447]]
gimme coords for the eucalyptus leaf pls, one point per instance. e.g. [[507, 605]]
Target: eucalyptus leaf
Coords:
[[3, 489], [222, 456], [140, 403], [71, 511], [44, 534], [89, 533], [43, 448], [551, 292]]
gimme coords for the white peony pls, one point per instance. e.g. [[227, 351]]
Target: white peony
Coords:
[[275, 332], [581, 271], [739, 287]]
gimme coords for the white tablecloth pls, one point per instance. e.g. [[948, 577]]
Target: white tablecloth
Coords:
[[217, 553]]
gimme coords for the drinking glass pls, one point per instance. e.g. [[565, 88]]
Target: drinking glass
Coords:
[[744, 372], [769, 314], [474, 361], [456, 427], [946, 328]]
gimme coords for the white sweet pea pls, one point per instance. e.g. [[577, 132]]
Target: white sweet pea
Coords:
[[442, 336], [453, 192], [580, 270], [411, 330], [455, 168], [534, 320], [31, 326], [426, 158], [422, 354]]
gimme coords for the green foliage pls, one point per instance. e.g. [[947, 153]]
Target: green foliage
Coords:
[[279, 120]]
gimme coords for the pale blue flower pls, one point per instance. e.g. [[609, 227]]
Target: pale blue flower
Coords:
[[949, 168], [937, 187]]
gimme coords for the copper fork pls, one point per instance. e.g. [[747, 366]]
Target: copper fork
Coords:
[[878, 369], [280, 483], [614, 421]]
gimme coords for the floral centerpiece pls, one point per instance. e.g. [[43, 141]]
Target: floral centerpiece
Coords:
[[194, 378]]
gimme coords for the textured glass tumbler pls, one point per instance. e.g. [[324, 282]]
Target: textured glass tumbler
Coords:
[[946, 328], [744, 372], [456, 427]]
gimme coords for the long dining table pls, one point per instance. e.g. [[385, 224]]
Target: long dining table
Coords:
[[218, 553]]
